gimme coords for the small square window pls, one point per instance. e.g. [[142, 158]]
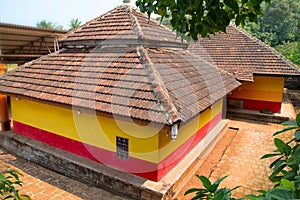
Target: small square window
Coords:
[[122, 148]]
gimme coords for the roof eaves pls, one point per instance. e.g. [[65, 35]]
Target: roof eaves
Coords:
[[31, 28], [159, 88]]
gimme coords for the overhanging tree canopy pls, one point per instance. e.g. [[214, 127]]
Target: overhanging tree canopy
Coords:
[[204, 17]]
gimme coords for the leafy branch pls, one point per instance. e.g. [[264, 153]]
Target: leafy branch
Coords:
[[204, 17], [8, 182]]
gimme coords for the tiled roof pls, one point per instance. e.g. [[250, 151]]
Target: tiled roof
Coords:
[[242, 55], [150, 84], [164, 85], [124, 24]]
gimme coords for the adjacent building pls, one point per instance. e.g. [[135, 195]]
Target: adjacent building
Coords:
[[259, 68]]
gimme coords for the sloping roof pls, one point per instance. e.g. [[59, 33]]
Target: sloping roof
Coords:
[[20, 44], [124, 24], [163, 85], [242, 55]]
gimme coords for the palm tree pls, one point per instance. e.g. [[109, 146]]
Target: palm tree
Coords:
[[48, 25], [74, 23]]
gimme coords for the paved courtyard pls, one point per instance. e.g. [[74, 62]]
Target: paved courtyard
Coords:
[[238, 155]]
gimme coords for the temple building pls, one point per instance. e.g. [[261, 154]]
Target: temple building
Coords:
[[123, 92]]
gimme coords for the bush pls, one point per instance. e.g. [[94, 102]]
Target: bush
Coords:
[[211, 191]]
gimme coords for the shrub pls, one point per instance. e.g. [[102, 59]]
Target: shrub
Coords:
[[8, 181], [211, 190]]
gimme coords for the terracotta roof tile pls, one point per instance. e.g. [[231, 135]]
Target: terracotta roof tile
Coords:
[[122, 23], [242, 55]]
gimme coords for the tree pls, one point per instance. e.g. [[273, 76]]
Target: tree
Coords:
[[204, 17], [279, 24], [291, 50], [74, 23], [48, 25]]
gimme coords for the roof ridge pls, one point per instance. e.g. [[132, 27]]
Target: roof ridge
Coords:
[[135, 24], [158, 87], [269, 48]]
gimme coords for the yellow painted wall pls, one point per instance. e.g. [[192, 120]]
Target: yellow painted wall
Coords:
[[167, 146], [263, 88], [91, 129], [145, 142]]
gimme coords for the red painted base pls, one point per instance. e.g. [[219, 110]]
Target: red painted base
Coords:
[[257, 105], [142, 168], [173, 159]]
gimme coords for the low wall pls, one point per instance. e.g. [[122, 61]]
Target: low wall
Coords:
[[292, 83]]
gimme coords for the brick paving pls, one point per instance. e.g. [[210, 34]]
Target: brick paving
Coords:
[[42, 184], [238, 155]]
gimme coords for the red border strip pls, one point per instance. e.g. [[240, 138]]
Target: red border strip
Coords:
[[135, 166], [147, 169], [173, 159], [257, 105]]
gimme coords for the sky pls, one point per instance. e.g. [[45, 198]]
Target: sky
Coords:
[[61, 12]]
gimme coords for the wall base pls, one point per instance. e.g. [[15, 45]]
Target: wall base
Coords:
[[239, 114], [101, 176]]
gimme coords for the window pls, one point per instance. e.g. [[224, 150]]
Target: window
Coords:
[[122, 148]]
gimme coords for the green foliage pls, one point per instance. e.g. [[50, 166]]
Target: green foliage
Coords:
[[74, 23], [8, 181], [204, 17], [279, 27], [279, 24], [49, 25], [291, 50], [211, 190]]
